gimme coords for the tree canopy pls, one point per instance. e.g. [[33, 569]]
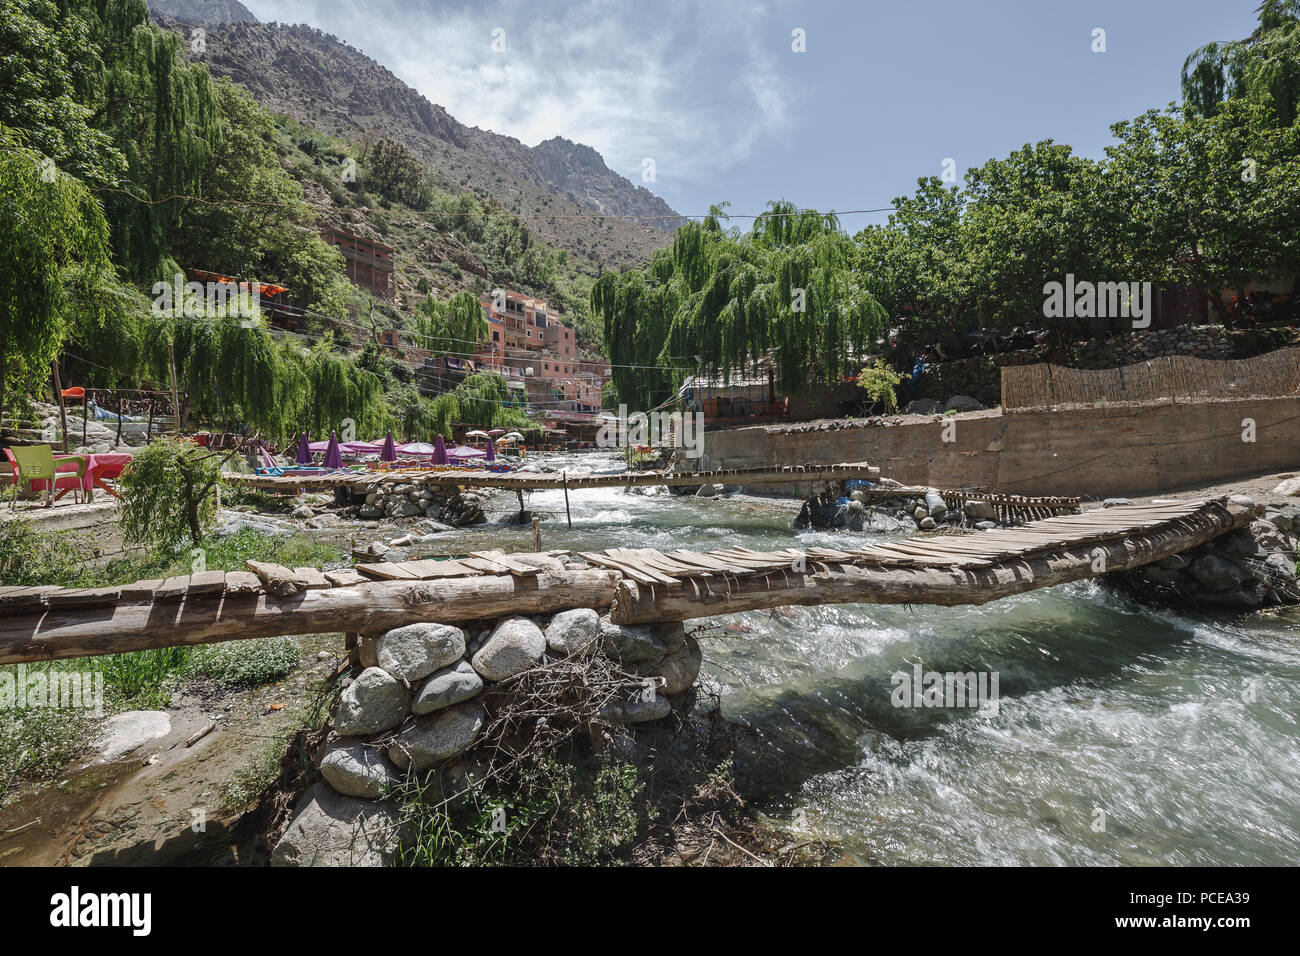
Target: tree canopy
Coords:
[[720, 302]]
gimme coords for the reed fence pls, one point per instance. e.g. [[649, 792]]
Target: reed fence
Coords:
[[1171, 378]]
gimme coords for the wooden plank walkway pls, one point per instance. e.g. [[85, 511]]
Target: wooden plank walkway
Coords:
[[637, 584], [531, 480]]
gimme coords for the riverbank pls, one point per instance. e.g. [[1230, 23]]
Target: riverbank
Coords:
[[1105, 703]]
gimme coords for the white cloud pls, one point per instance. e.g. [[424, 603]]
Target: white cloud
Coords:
[[698, 87]]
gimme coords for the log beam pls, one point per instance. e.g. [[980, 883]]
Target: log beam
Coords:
[[61, 633], [849, 584]]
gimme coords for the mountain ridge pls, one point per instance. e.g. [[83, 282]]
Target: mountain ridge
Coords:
[[319, 80]]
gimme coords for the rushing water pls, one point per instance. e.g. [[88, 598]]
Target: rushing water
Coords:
[[1179, 728]]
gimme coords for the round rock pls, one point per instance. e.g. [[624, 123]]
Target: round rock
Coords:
[[679, 669], [573, 632], [329, 829], [451, 685], [375, 701], [430, 740], [515, 646], [417, 650], [631, 643], [355, 770]]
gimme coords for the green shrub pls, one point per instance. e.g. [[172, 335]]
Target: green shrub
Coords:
[[30, 556], [168, 493], [244, 663]]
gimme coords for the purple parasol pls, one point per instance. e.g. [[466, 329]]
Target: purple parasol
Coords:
[[491, 450], [304, 450], [333, 459], [389, 452], [440, 452]]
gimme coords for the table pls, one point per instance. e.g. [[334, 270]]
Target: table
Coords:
[[98, 468]]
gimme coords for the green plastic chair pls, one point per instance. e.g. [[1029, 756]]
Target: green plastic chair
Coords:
[[36, 463]]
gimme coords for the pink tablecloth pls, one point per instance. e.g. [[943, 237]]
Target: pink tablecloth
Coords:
[[108, 465]]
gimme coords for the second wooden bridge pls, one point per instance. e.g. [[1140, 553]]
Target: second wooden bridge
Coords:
[[636, 586], [535, 480]]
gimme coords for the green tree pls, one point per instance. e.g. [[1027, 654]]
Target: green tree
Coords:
[[914, 264], [1210, 202], [54, 246], [455, 325], [724, 302], [392, 171], [1032, 218], [1264, 67], [169, 493]]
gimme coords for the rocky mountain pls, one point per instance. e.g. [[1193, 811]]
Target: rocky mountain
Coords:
[[204, 11], [323, 82], [580, 173]]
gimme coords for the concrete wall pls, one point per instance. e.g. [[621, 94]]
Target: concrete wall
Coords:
[[1090, 452]]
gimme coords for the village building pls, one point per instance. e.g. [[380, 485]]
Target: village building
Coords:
[[368, 262]]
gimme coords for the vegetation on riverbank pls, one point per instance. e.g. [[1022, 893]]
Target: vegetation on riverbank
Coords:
[[38, 743]]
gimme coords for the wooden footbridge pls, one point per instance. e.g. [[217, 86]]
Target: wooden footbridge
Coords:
[[636, 586], [537, 480]]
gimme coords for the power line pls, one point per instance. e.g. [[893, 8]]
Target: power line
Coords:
[[600, 216]]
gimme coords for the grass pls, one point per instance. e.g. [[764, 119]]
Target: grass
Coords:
[[574, 813], [30, 556], [38, 743], [244, 663]]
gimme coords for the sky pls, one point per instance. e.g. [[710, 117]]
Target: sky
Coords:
[[716, 95]]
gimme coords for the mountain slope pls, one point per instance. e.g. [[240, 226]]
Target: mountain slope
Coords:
[[321, 81]]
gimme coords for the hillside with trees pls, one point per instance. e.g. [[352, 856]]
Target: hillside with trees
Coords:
[[124, 164]]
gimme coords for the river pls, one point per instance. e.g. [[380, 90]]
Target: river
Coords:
[[1123, 735]]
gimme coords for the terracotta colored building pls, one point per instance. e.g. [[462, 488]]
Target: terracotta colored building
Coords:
[[368, 262]]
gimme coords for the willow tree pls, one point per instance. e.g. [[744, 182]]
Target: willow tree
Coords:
[[55, 253], [1264, 67], [455, 325], [109, 96], [483, 399], [337, 389], [720, 303]]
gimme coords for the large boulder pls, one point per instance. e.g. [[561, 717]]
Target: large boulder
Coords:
[[428, 741], [1280, 567], [923, 406], [374, 702], [631, 643], [1288, 488], [981, 511], [670, 634], [963, 403], [1161, 577], [417, 650], [515, 646], [573, 632], [1216, 573], [451, 685], [356, 770], [678, 670], [329, 829]]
